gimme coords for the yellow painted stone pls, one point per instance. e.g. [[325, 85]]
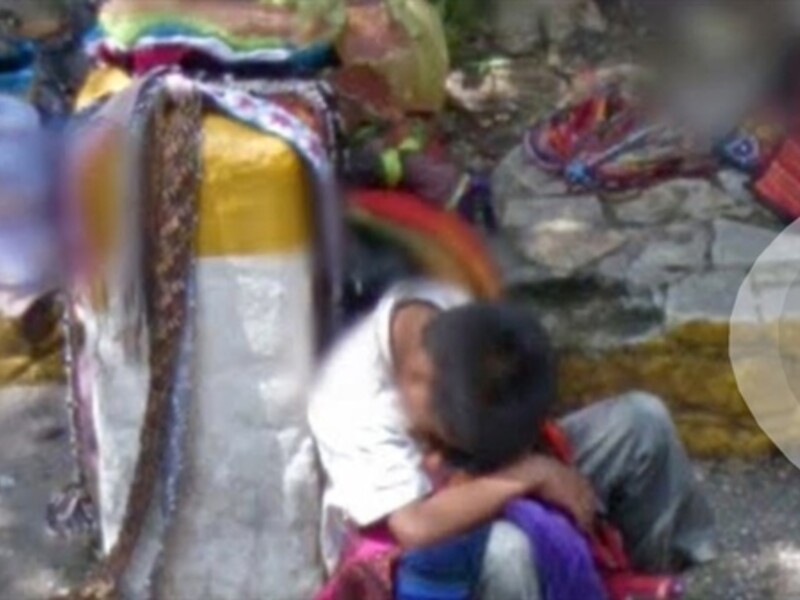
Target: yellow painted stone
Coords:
[[254, 198]]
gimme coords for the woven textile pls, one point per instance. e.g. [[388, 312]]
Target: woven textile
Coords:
[[170, 199]]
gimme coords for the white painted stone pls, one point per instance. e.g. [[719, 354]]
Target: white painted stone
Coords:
[[247, 520]]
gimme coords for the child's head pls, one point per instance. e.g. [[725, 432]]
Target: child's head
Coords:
[[491, 381]]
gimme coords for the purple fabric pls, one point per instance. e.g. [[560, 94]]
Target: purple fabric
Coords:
[[563, 559]]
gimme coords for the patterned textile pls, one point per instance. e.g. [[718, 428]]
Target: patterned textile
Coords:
[[311, 101], [211, 55], [261, 109], [428, 233], [171, 209], [287, 257], [101, 131], [243, 25], [71, 511], [608, 142]]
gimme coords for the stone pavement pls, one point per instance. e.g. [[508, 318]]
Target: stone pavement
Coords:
[[34, 461], [756, 506]]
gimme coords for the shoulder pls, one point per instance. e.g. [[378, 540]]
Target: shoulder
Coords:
[[355, 376], [440, 294]]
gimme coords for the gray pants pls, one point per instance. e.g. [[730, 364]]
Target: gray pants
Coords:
[[629, 449]]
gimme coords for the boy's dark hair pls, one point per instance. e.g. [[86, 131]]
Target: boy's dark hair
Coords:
[[495, 382]]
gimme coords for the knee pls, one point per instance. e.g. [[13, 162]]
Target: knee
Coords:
[[508, 566], [647, 419], [645, 409], [507, 541]]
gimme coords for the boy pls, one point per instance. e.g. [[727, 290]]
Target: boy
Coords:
[[414, 369]]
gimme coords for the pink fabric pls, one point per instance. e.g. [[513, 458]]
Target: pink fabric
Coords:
[[372, 547]]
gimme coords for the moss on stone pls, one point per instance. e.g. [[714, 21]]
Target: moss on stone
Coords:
[[690, 369], [25, 362]]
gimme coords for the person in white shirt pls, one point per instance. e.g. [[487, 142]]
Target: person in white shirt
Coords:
[[396, 379]]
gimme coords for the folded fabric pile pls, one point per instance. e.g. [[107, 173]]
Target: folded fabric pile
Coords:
[[245, 37], [402, 41], [388, 55], [240, 29]]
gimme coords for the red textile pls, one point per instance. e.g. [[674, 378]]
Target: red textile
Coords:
[[609, 142], [779, 186], [442, 229], [367, 569]]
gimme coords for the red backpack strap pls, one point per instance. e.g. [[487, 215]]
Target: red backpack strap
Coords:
[[557, 441]]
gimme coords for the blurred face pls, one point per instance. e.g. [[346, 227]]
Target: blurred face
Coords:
[[414, 370], [414, 377]]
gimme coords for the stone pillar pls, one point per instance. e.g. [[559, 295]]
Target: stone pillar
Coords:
[[245, 523]]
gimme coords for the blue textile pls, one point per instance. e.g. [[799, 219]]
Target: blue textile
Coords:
[[449, 571]]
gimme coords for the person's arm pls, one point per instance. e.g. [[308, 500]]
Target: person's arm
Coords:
[[460, 508]]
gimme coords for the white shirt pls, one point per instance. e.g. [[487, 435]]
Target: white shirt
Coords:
[[372, 466]]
